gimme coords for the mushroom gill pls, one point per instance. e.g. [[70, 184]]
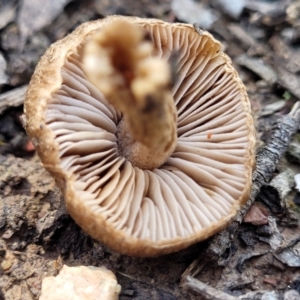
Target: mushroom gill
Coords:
[[142, 211]]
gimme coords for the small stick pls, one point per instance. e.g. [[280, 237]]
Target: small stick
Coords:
[[14, 97], [195, 286], [209, 293]]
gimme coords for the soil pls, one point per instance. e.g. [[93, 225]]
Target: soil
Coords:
[[37, 236]]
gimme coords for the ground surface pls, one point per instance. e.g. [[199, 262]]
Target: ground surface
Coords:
[[37, 236]]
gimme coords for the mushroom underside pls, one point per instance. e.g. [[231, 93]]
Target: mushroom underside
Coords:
[[202, 183]]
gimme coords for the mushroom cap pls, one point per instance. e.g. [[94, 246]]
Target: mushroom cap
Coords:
[[201, 186]]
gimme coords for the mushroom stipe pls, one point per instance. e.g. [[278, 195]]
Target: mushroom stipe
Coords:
[[146, 166]]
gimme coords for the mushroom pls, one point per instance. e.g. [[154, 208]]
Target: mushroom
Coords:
[[146, 166]]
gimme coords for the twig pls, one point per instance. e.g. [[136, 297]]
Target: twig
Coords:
[[12, 98], [195, 286], [195, 267], [199, 288]]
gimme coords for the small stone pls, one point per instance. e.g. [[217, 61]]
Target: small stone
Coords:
[[130, 293], [297, 180], [8, 234], [293, 152], [233, 8], [291, 295], [34, 15], [3, 75], [81, 283], [7, 12], [194, 12], [8, 261]]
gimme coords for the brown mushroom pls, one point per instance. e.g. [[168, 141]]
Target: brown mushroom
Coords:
[[137, 207]]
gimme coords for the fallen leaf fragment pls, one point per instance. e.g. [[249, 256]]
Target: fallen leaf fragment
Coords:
[[29, 147], [259, 67], [257, 215]]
